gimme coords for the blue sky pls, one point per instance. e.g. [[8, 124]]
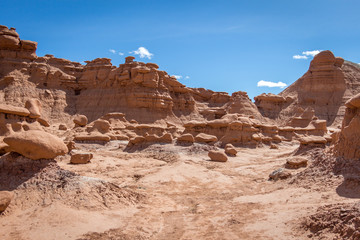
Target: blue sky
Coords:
[[220, 45]]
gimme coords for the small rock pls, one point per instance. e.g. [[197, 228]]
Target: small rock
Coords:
[[80, 157], [70, 145], [5, 199], [295, 163], [273, 146], [62, 127], [279, 174], [230, 150], [217, 156], [80, 120]]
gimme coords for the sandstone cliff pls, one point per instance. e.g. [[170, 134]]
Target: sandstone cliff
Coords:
[[325, 87], [139, 90]]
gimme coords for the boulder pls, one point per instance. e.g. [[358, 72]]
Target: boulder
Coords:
[[217, 156], [80, 120], [205, 138], [230, 150], [295, 163], [5, 199], [279, 174], [34, 107], [35, 144], [80, 157], [187, 137]]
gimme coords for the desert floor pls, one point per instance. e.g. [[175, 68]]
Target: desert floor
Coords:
[[164, 192]]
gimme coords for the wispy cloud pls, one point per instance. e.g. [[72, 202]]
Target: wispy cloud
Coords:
[[113, 51], [311, 53], [305, 54], [187, 77], [299, 57], [143, 53], [177, 76], [263, 83]]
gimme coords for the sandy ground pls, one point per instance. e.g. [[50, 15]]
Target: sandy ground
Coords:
[[167, 192]]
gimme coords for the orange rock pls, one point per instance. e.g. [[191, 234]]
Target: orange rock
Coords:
[[187, 137], [217, 156], [230, 150], [36, 144], [205, 138], [80, 120], [34, 107], [79, 157], [5, 199]]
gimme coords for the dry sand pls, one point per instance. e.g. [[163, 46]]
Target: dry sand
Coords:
[[166, 192]]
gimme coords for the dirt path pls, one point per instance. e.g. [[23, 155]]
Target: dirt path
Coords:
[[185, 196]]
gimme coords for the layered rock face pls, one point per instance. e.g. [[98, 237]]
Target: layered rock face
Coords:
[[139, 90], [325, 87], [348, 142]]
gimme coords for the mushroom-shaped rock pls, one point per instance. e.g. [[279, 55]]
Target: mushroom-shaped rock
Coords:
[[205, 138], [34, 107], [187, 137], [217, 156], [101, 125], [35, 144], [129, 59], [78, 157], [80, 120], [5, 199], [230, 150], [354, 102]]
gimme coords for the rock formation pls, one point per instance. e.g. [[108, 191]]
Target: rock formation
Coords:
[[36, 144], [348, 143], [325, 87]]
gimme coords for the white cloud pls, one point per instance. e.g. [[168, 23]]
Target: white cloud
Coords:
[[263, 83], [120, 53], [177, 76], [112, 51], [299, 57], [143, 53], [187, 77], [311, 53]]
